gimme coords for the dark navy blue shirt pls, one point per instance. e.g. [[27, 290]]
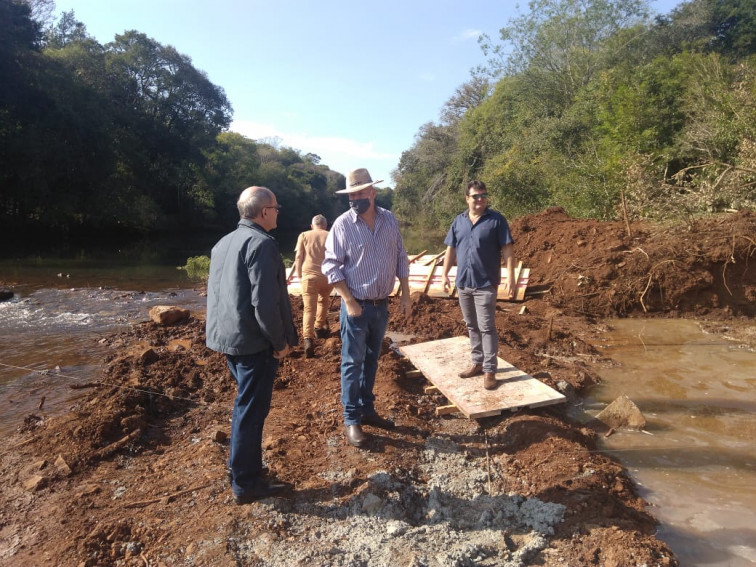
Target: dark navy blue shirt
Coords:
[[478, 248]]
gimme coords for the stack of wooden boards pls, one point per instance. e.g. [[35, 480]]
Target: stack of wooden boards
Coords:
[[425, 276]]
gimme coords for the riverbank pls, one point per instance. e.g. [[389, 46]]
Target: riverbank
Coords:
[[134, 474]]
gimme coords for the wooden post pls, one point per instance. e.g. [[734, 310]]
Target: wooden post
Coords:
[[435, 258], [416, 256], [430, 275]]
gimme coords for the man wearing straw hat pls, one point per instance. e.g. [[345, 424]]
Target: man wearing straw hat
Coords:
[[364, 256]]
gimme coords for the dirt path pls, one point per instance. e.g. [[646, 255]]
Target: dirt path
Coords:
[[134, 474]]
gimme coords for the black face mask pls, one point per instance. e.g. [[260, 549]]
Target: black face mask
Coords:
[[359, 206]]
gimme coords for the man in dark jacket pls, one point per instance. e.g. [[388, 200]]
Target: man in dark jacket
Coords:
[[249, 320]]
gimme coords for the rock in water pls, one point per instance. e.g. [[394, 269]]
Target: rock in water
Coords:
[[168, 315], [622, 412]]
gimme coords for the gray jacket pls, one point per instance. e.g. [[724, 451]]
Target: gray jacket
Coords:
[[248, 307]]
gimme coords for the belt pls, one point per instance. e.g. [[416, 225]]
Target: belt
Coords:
[[374, 302]]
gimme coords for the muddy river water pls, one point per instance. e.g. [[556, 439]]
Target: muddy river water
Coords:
[[695, 464], [696, 461]]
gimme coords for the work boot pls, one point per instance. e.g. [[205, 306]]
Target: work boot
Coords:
[[309, 349], [489, 381], [355, 436], [230, 473], [263, 489], [474, 370], [377, 421], [322, 333]]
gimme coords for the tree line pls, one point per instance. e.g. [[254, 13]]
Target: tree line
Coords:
[[598, 107], [128, 137], [593, 105]]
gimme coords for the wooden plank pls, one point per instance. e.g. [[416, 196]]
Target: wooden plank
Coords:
[[440, 361], [416, 256], [522, 284], [446, 410], [430, 389], [414, 374], [435, 258], [517, 272], [429, 279], [419, 258], [430, 276], [425, 277]]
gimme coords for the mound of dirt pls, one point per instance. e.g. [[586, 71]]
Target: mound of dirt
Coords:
[[134, 474], [598, 269]]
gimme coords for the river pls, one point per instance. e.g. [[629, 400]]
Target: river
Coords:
[[696, 462]]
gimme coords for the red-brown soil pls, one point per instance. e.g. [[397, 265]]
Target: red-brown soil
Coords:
[[134, 474]]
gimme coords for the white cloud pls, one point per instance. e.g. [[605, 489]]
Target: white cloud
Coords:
[[339, 154], [468, 34]]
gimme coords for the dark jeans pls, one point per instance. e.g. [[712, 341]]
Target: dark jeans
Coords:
[[254, 374], [361, 339]]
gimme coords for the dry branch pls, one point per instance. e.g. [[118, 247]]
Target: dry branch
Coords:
[[165, 499]]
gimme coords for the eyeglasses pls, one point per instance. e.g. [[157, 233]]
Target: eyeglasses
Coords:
[[276, 207], [479, 196]]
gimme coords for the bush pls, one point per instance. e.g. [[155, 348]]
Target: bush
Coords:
[[197, 268]]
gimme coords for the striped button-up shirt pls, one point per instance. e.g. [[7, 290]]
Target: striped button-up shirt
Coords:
[[369, 261]]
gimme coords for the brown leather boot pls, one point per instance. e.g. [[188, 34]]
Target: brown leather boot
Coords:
[[309, 349], [355, 436], [489, 381], [474, 370]]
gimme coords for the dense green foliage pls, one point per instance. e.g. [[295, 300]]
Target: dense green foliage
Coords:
[[128, 136], [593, 105], [197, 268], [588, 104]]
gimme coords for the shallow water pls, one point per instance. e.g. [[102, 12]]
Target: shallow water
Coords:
[[696, 463], [49, 341]]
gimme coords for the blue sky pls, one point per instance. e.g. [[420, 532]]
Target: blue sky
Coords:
[[349, 80]]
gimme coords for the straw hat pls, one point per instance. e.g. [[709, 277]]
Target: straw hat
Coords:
[[358, 179]]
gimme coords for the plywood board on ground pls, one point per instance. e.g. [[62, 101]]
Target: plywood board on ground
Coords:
[[441, 361]]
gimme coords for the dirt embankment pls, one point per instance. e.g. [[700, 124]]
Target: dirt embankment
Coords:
[[134, 474], [598, 269]]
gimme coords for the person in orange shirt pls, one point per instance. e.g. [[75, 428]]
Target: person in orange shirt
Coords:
[[316, 291]]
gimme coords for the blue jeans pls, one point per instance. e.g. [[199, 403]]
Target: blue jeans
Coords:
[[361, 339], [254, 375], [479, 310]]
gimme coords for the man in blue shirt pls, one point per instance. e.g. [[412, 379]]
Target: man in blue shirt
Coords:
[[364, 256], [478, 241], [249, 320]]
